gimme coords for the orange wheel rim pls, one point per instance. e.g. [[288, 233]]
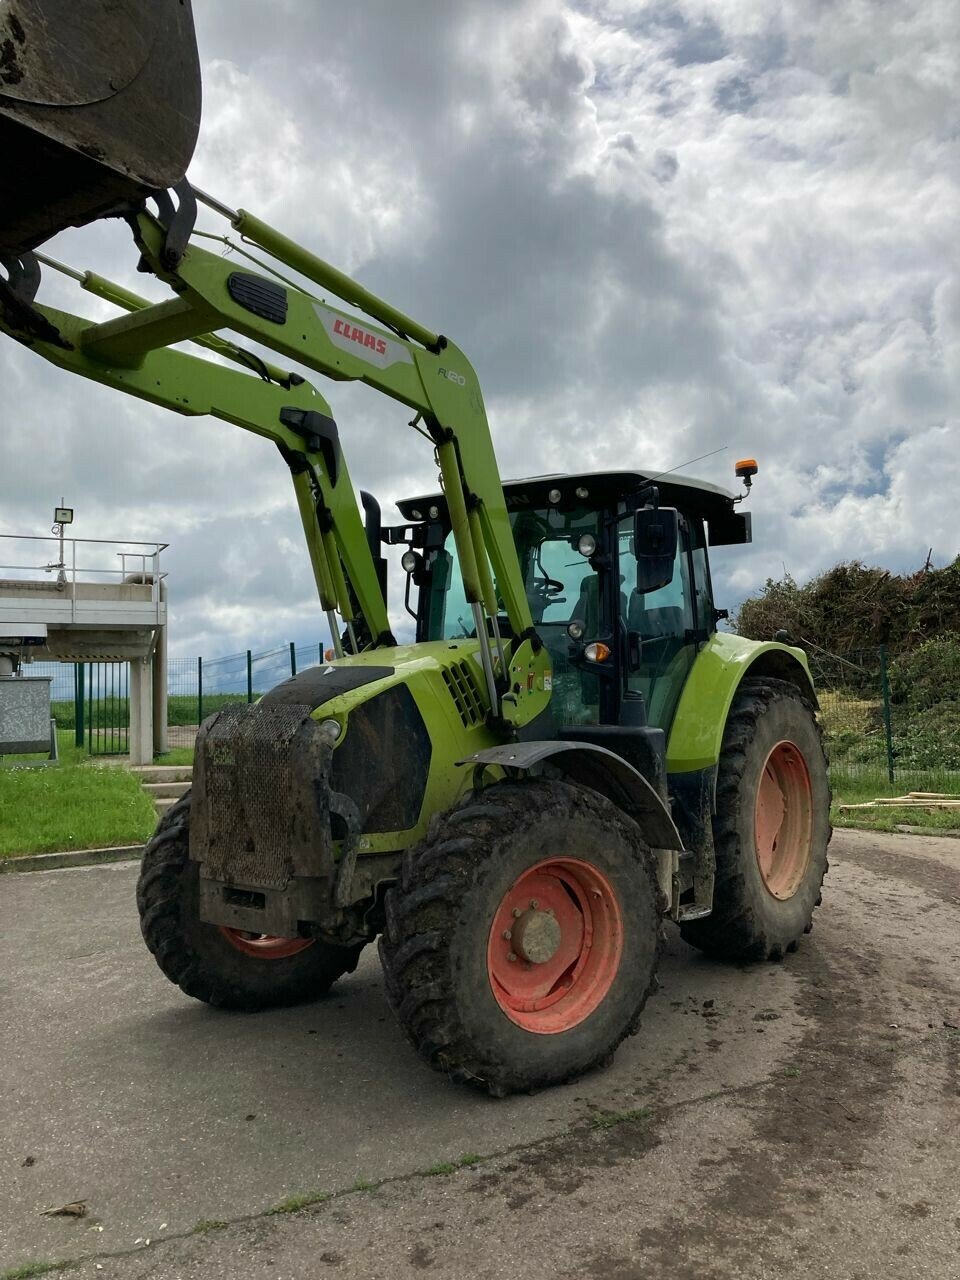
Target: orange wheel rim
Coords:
[[783, 820], [555, 945], [265, 946]]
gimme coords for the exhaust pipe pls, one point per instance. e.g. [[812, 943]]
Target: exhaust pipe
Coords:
[[99, 106]]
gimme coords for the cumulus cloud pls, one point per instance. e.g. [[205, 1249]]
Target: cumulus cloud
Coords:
[[656, 228]]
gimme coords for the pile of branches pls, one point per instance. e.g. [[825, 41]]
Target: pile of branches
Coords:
[[854, 608]]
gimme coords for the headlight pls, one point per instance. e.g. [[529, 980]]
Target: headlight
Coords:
[[331, 730], [575, 630], [409, 561], [554, 496], [586, 545]]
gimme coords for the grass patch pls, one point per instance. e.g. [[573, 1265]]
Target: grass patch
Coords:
[[859, 788], [34, 1269], [208, 1224], [72, 806], [892, 818], [182, 708], [293, 1204], [176, 755], [611, 1119], [67, 749], [444, 1167]]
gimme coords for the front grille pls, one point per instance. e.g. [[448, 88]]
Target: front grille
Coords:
[[384, 761], [248, 789], [465, 692]]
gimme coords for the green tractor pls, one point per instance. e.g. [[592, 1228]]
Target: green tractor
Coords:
[[568, 754]]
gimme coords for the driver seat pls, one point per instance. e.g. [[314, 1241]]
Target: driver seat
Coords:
[[587, 608]]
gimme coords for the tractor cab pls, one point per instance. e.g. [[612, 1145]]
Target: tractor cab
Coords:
[[617, 577]]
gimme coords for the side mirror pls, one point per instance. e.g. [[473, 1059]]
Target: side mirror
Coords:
[[655, 534]]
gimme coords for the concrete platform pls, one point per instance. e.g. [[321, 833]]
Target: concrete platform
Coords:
[[164, 783], [166, 790], [163, 772]]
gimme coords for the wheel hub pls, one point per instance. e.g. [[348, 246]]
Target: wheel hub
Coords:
[[783, 820], [536, 936], [264, 946], [555, 944]]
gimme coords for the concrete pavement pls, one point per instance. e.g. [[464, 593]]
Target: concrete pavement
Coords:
[[804, 1122]]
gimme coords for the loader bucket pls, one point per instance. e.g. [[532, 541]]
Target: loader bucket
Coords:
[[99, 104]]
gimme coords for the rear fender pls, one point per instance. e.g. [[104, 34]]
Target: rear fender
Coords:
[[696, 735]]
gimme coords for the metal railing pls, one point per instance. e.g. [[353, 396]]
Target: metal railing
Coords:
[[136, 559]]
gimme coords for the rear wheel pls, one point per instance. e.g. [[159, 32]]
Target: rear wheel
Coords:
[[229, 968], [771, 828], [523, 937]]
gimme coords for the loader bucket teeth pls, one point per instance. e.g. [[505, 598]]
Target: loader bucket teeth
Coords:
[[99, 105]]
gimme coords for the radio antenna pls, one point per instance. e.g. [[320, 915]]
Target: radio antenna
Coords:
[[688, 463]]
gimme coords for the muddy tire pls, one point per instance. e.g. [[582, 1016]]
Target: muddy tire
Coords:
[[560, 879], [771, 829], [222, 967]]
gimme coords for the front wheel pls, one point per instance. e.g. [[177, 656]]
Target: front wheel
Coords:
[[771, 827], [523, 937], [224, 967]]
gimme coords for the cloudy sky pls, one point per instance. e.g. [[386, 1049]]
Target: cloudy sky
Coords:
[[657, 229]]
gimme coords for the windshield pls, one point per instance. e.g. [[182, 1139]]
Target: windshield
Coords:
[[560, 586], [559, 581]]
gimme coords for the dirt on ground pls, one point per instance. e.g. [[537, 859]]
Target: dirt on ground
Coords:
[[803, 1120]]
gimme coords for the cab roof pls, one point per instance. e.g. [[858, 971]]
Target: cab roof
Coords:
[[605, 488], [718, 507]]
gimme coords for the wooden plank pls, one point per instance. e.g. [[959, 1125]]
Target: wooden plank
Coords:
[[903, 804]]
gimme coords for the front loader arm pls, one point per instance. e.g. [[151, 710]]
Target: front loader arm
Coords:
[[192, 387], [135, 353], [437, 380]]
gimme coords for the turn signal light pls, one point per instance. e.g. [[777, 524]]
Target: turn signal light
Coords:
[[597, 652]]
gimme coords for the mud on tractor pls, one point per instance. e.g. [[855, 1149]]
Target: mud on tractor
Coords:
[[567, 755]]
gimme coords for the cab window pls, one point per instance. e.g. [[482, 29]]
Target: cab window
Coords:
[[560, 586], [663, 627]]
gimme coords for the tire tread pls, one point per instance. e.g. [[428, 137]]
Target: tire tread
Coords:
[[160, 890], [422, 914], [733, 931]]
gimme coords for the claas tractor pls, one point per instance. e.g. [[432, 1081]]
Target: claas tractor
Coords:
[[567, 754]]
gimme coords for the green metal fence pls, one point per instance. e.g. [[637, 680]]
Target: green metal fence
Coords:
[[102, 707], [92, 700], [199, 686], [889, 719], [883, 726]]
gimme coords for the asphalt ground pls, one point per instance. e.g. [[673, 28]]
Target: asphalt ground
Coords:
[[800, 1119]]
